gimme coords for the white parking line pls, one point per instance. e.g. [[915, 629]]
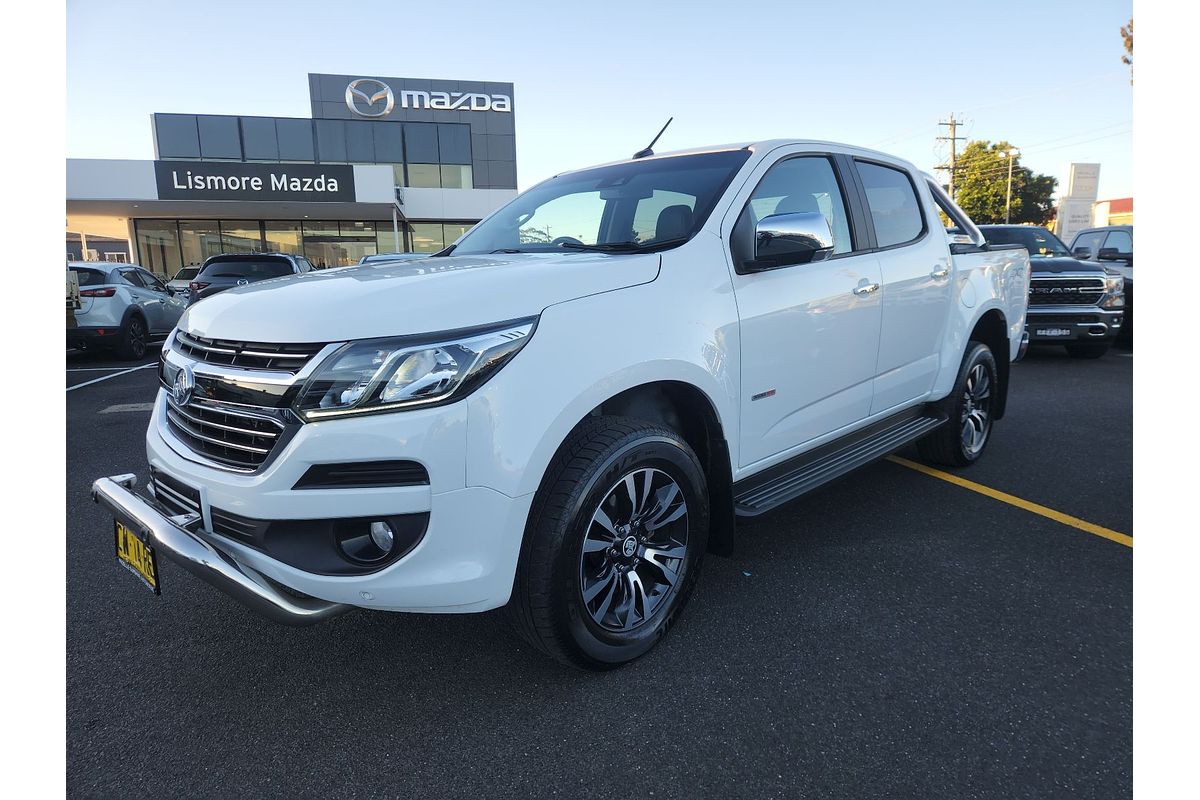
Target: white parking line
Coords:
[[120, 407], [107, 377], [101, 369]]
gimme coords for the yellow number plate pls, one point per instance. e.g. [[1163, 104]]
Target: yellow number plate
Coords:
[[137, 557]]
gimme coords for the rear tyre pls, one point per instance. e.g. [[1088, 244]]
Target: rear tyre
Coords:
[[613, 544], [969, 407], [133, 340], [1087, 350]]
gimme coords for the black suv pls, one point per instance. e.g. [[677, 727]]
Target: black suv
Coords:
[[1075, 303], [239, 269], [1111, 246]]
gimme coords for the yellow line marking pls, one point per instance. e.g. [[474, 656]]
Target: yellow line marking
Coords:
[[1012, 500]]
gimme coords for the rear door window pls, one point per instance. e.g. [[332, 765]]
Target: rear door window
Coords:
[[257, 269], [131, 277], [892, 201]]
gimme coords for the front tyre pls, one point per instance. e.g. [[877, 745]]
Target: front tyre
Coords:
[[969, 406], [613, 544]]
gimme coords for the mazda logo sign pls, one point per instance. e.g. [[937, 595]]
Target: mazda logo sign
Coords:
[[363, 98], [181, 389]]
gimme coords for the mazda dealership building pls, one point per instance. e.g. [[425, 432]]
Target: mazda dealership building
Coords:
[[383, 165]]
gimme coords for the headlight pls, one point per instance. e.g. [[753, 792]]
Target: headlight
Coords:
[[1114, 288], [374, 375]]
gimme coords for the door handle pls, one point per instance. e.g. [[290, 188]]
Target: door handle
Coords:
[[939, 273], [865, 289]]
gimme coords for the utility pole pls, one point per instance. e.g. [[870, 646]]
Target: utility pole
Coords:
[[954, 140], [1010, 155]]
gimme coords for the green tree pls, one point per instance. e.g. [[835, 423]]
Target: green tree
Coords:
[[1127, 41], [982, 182]]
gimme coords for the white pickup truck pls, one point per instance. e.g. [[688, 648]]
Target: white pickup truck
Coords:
[[564, 410]]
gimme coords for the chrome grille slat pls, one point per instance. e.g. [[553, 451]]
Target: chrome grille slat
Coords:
[[161, 488], [208, 423], [268, 356], [177, 418]]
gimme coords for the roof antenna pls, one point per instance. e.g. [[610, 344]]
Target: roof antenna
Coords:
[[648, 151]]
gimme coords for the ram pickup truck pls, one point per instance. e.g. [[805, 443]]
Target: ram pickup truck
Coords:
[[1075, 303], [565, 410]]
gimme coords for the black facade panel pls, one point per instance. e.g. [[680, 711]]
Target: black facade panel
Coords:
[[501, 148], [331, 140], [295, 139], [454, 143], [421, 142], [360, 144], [176, 136], [219, 137], [259, 140], [502, 174], [389, 142]]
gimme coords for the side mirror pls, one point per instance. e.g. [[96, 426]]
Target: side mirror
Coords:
[[1083, 251], [1112, 254], [782, 240]]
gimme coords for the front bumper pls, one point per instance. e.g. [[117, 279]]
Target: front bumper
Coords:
[[179, 539], [1070, 324], [465, 562]]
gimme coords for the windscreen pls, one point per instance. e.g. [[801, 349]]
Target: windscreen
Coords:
[[186, 274], [90, 277], [1040, 242], [251, 270], [653, 203]]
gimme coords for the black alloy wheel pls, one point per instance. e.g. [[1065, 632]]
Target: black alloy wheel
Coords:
[[634, 550], [133, 341]]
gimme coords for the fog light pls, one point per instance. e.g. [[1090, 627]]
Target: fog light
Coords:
[[383, 536]]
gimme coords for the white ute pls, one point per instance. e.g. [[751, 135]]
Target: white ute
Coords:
[[563, 411]]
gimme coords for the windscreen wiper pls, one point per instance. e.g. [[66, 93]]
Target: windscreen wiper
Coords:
[[625, 247]]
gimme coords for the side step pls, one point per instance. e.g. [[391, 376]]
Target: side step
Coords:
[[787, 481]]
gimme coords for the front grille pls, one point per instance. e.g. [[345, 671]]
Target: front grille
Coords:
[[174, 496], [1065, 291], [225, 434], [250, 355]]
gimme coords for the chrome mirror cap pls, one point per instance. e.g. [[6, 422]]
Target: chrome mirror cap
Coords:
[[782, 240]]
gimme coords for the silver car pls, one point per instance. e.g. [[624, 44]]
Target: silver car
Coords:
[[122, 307]]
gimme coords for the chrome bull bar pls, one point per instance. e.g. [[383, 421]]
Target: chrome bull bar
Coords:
[[180, 539]]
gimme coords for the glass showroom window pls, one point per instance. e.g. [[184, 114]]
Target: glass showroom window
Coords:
[[427, 237], [199, 239], [456, 176], [451, 231], [425, 176], [241, 236], [387, 240], [283, 237], [158, 245]]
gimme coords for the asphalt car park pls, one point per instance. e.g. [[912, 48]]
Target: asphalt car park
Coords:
[[893, 634]]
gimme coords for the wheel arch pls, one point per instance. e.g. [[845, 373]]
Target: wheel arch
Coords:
[[687, 410], [992, 329]]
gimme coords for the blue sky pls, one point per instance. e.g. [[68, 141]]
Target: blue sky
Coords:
[[595, 81]]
